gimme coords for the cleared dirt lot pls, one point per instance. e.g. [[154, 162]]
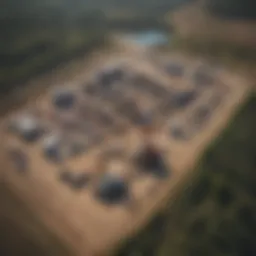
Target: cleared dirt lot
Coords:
[[194, 21], [85, 224]]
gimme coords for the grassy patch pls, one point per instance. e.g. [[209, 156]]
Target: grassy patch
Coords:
[[228, 210]]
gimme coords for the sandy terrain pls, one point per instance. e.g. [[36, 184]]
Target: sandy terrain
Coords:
[[85, 224]]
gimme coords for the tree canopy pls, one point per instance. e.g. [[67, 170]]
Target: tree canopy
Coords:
[[245, 9]]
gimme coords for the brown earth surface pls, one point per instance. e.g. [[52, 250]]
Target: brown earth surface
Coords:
[[193, 21], [87, 226]]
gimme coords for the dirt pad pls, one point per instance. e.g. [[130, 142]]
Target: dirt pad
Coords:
[[71, 154]]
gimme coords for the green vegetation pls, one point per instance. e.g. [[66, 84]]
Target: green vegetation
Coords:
[[36, 38], [148, 241], [38, 35], [244, 9], [216, 215]]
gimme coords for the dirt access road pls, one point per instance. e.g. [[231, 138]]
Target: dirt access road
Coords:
[[87, 226]]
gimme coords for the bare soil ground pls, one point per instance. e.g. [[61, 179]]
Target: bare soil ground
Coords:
[[86, 225], [193, 21]]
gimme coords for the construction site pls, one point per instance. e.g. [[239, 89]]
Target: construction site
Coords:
[[128, 128], [98, 155]]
